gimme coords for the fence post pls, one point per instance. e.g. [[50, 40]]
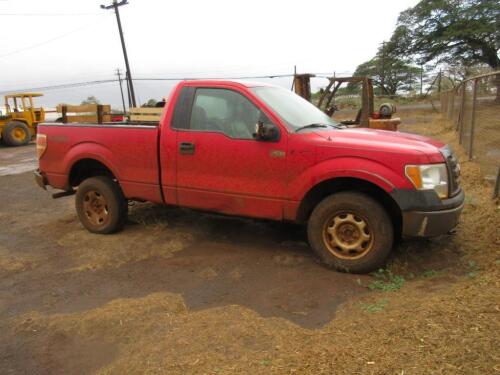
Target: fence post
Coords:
[[443, 100], [496, 190], [451, 104], [473, 119], [64, 111], [461, 114], [100, 113]]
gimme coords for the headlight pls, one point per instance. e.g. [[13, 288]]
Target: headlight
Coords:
[[429, 176]]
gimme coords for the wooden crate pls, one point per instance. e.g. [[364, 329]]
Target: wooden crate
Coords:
[[85, 113], [385, 124], [139, 114]]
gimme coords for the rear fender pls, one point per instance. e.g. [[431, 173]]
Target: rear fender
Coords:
[[91, 150]]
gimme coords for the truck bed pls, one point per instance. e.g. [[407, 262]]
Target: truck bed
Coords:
[[129, 151]]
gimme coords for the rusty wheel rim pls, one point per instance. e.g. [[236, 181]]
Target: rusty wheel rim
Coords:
[[95, 208], [348, 236], [19, 134]]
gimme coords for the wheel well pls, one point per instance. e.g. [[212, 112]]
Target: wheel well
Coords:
[[328, 187], [86, 168]]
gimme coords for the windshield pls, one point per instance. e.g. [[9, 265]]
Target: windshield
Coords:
[[295, 111]]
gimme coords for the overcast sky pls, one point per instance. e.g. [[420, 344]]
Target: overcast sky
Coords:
[[218, 38]]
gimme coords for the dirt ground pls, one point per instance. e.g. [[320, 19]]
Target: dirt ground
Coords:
[[183, 292]]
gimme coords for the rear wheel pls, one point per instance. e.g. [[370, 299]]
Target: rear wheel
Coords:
[[351, 232], [16, 133], [100, 205]]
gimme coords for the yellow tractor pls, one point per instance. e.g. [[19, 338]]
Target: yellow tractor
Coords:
[[18, 124]]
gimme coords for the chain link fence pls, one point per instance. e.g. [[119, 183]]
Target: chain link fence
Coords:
[[474, 109]]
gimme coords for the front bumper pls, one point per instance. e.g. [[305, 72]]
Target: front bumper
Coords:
[[430, 223], [425, 215], [40, 179]]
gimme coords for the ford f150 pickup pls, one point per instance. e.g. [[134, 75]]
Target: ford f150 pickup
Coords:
[[255, 150]]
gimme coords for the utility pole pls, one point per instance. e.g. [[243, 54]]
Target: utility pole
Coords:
[[119, 74], [128, 90], [115, 6]]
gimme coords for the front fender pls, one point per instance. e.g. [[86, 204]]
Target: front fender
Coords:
[[353, 167]]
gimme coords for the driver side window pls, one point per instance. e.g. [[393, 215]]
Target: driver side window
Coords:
[[225, 111]]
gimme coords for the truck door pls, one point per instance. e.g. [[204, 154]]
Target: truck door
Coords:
[[220, 166]]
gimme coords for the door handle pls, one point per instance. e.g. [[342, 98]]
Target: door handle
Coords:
[[186, 148]]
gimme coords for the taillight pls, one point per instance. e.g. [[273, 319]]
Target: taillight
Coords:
[[41, 145]]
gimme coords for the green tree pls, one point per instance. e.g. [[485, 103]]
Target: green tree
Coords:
[[465, 32], [90, 100], [389, 73], [150, 103], [450, 30]]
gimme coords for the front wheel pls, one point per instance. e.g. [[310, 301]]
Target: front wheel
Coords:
[[16, 133], [351, 232], [100, 205]]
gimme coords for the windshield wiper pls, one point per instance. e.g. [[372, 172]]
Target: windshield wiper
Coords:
[[316, 125], [311, 126]]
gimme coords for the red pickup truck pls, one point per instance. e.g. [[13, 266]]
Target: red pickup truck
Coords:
[[256, 150]]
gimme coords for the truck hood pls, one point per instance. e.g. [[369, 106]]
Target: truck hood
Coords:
[[391, 142]]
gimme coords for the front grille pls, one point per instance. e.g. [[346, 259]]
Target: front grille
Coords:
[[453, 167]]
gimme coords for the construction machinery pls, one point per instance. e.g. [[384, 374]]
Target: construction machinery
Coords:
[[18, 124], [366, 116]]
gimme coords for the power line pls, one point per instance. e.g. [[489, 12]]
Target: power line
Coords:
[[118, 73], [49, 40], [47, 14], [103, 81], [212, 78], [62, 86], [317, 75]]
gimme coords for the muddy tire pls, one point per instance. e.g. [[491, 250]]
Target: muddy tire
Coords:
[[16, 133], [100, 205], [351, 232]]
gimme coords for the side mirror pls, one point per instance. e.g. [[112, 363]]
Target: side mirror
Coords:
[[265, 132]]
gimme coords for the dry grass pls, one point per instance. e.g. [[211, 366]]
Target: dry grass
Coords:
[[441, 321], [135, 244]]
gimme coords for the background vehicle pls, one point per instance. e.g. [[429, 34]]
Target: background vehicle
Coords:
[[260, 151], [365, 117], [18, 125]]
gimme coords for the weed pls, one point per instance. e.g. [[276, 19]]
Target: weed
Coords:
[[474, 269], [429, 274], [386, 281], [265, 362], [376, 307]]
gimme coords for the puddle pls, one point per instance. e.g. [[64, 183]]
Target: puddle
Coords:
[[17, 160]]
